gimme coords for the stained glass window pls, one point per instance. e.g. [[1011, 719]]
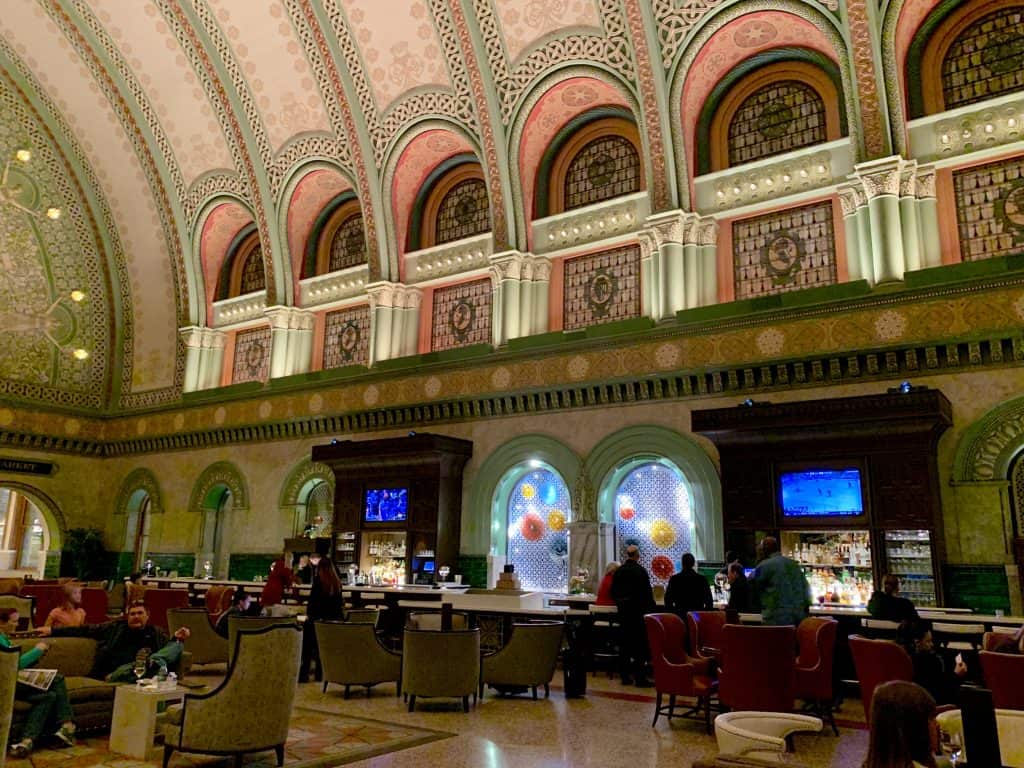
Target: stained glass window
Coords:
[[653, 510], [604, 168], [990, 209], [252, 356], [986, 60], [348, 246], [253, 277], [462, 315], [601, 288], [784, 251], [463, 212], [776, 118], [539, 510], [347, 337]]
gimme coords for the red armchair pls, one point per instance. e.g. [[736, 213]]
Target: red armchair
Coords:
[[218, 600], [95, 602], [705, 628], [816, 639], [757, 664], [676, 673], [877, 662], [158, 601], [1004, 676]]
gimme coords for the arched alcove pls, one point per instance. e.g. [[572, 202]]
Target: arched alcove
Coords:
[[219, 494], [41, 529], [308, 490]]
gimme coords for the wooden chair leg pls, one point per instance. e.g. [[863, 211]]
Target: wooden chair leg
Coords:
[[368, 691], [657, 708], [412, 701], [168, 751], [547, 690], [465, 703], [325, 686], [707, 714], [279, 751], [345, 694], [671, 705], [535, 693]]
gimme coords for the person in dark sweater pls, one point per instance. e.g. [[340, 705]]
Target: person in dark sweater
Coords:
[[240, 604], [887, 605], [120, 643], [631, 590], [740, 598], [930, 669], [688, 590], [326, 603]]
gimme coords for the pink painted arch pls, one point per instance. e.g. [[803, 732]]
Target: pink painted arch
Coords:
[[316, 189], [221, 227]]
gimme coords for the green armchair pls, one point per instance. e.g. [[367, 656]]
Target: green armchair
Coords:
[[351, 655], [251, 709], [205, 645], [251, 623], [441, 664], [527, 660], [8, 682]]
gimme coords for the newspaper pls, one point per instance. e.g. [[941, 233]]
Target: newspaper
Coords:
[[37, 678]]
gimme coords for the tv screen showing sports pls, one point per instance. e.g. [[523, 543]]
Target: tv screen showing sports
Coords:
[[386, 505], [821, 493]]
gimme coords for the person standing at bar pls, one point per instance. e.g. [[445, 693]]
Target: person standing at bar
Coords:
[[688, 590], [739, 590], [326, 603], [631, 589], [887, 605], [781, 587]]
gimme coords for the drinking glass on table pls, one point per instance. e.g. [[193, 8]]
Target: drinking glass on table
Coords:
[[443, 572], [139, 670]]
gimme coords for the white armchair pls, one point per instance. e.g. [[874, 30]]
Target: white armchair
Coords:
[[760, 734], [1010, 725]]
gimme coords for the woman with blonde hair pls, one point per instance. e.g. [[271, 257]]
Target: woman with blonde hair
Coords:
[[70, 612], [604, 589], [903, 728]]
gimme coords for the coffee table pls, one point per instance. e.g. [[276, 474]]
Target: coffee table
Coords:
[[134, 724]]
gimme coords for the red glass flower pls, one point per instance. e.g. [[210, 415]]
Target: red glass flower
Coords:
[[662, 567], [532, 527]]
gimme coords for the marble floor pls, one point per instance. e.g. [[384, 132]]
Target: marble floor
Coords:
[[610, 727]]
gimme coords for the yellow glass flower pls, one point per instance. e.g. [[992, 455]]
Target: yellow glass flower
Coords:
[[556, 520], [528, 491], [663, 534]]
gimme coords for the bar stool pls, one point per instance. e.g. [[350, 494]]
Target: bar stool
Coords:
[[605, 648]]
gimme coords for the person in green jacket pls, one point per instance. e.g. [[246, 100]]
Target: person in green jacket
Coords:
[[781, 587], [53, 702]]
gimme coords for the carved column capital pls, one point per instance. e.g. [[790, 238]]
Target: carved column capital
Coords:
[[382, 294], [541, 268], [926, 182], [289, 318], [851, 198], [507, 265], [671, 227], [708, 231], [408, 297], [881, 177]]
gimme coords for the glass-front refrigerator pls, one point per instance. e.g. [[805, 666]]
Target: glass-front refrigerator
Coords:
[[837, 563], [909, 556]]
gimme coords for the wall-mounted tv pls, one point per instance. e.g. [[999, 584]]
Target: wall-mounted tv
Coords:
[[821, 493], [386, 505]]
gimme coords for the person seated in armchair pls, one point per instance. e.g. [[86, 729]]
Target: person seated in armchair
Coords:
[[49, 705], [240, 604], [70, 612], [121, 643]]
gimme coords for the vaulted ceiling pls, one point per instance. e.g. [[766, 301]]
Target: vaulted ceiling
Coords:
[[144, 115]]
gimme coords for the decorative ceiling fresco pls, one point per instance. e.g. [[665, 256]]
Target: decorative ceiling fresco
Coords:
[[180, 121]]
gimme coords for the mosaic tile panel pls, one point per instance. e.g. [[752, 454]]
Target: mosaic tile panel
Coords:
[[780, 117], [606, 167], [986, 61], [347, 337], [463, 212], [601, 288], [348, 247], [784, 251], [462, 315], [653, 510], [252, 356], [539, 509], [990, 209], [253, 277]]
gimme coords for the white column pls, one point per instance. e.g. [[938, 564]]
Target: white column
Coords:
[[928, 217], [192, 337], [851, 198], [408, 305], [291, 340], [204, 357], [708, 238], [881, 180], [540, 285], [382, 303]]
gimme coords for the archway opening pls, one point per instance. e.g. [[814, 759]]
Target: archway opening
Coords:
[[314, 511], [538, 510], [653, 508], [217, 507], [24, 532], [136, 529]]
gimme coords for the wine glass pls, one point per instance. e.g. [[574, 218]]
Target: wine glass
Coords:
[[443, 572], [139, 669]]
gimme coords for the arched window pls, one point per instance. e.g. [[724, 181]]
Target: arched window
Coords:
[[243, 268], [212, 543], [316, 512], [136, 530], [778, 108], [653, 509], [596, 162], [24, 531], [539, 511], [340, 241], [453, 207], [975, 54]]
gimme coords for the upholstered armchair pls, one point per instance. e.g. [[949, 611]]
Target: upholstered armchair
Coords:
[[250, 710], [159, 601], [431, 620], [8, 682], [205, 645], [362, 616], [528, 659], [441, 664], [1009, 725], [676, 673], [761, 735], [25, 606], [251, 623], [877, 662], [351, 655]]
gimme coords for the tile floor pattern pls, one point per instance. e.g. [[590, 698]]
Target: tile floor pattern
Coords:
[[610, 727]]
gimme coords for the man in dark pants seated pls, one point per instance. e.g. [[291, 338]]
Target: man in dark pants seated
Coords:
[[631, 589], [120, 643]]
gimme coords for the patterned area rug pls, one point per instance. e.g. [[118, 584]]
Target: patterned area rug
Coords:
[[317, 739]]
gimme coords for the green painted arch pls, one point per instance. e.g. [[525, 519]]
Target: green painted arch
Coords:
[[139, 479], [219, 474], [56, 525], [487, 530], [521, 114], [988, 447], [607, 461]]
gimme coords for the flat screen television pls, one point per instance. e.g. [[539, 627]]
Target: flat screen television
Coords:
[[821, 493], [386, 505]]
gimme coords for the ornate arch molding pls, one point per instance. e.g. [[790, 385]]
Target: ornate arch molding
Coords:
[[201, 311], [51, 511], [487, 485], [229, 278], [521, 115], [139, 479], [714, 21], [220, 473], [297, 479], [660, 443], [987, 448]]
